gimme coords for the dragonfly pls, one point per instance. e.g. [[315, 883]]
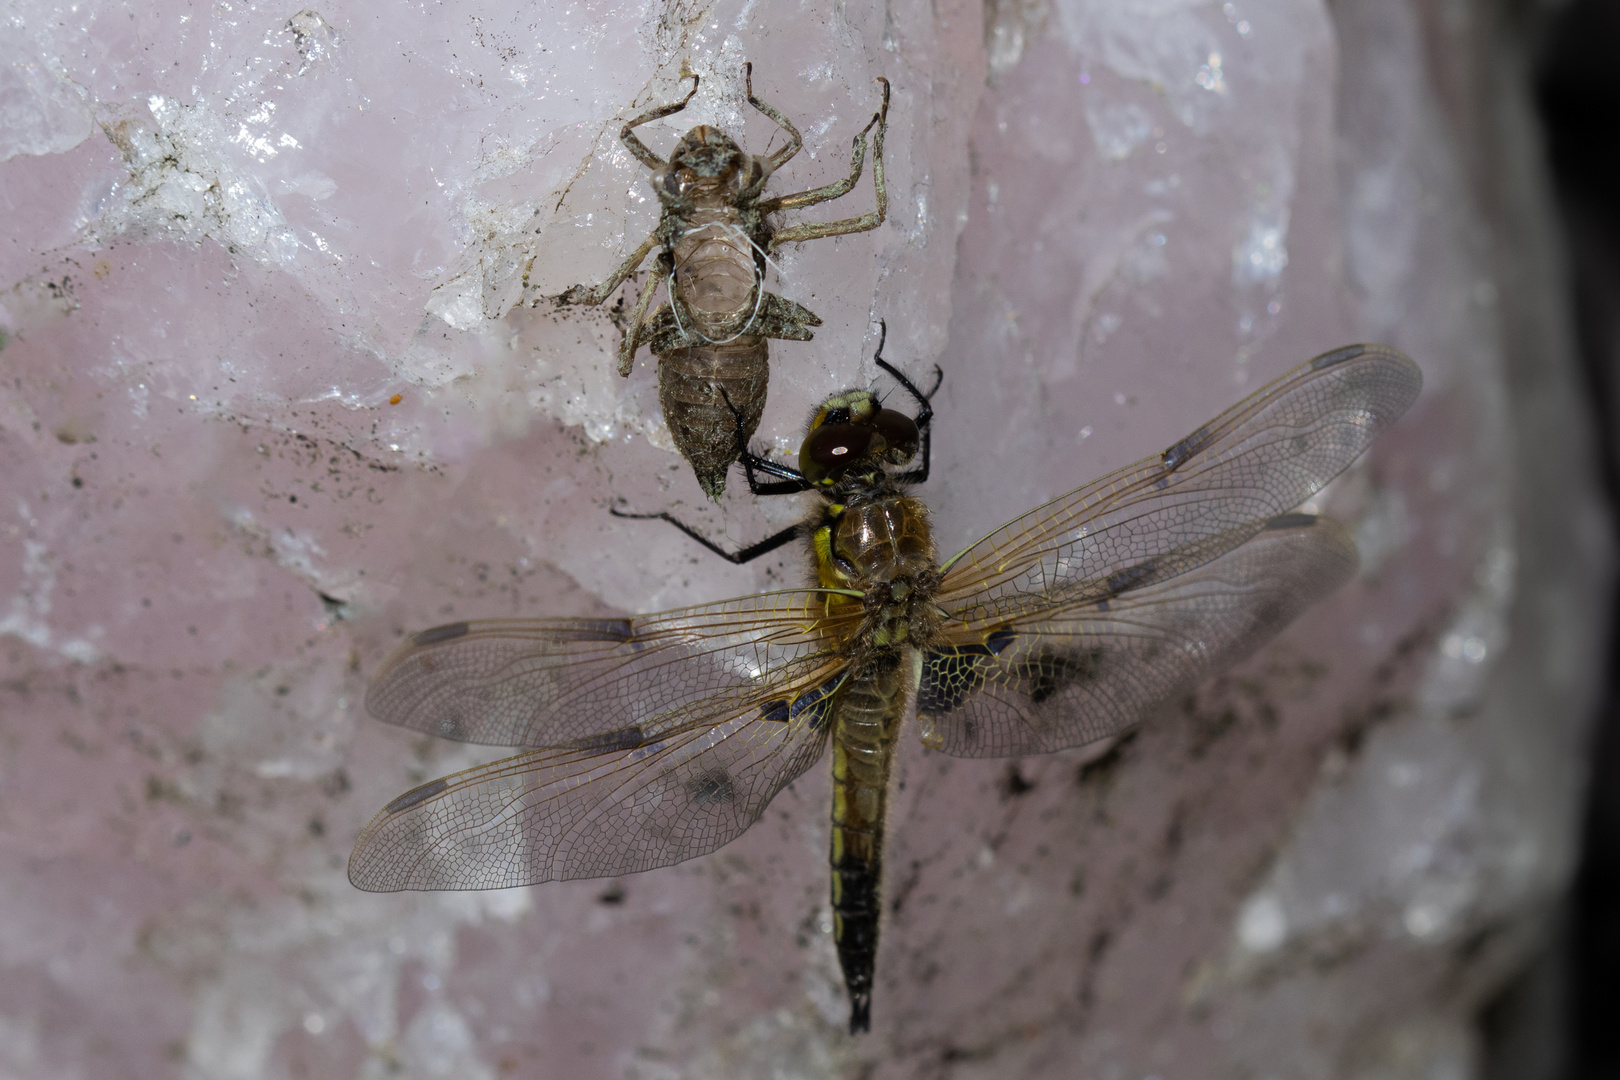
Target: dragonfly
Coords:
[[658, 738]]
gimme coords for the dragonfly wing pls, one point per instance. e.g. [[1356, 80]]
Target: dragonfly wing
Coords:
[[1203, 496], [552, 682], [1059, 676], [627, 802]]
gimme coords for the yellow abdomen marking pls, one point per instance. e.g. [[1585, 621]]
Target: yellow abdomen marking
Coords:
[[827, 574]]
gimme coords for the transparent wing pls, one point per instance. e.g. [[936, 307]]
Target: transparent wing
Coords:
[[616, 804], [1064, 675], [574, 682], [1203, 496]]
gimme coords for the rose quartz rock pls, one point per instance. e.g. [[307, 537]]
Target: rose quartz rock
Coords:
[[275, 393]]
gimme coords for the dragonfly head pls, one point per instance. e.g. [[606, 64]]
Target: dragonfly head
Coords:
[[705, 163], [852, 432]]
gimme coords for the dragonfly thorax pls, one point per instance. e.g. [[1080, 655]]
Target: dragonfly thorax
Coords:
[[875, 543]]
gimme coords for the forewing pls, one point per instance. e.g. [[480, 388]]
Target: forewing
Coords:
[[578, 682], [1203, 496], [1065, 676], [556, 814]]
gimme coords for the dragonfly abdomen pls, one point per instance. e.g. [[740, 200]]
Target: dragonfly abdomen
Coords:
[[865, 727]]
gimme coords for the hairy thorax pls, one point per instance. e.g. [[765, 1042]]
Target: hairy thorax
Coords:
[[884, 540], [884, 549]]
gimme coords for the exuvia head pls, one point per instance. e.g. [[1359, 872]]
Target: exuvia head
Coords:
[[852, 432], [707, 162]]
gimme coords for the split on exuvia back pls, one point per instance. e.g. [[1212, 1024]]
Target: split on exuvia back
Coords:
[[713, 238], [657, 738]]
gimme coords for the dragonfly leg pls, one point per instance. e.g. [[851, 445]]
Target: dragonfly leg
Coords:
[[744, 555], [925, 408], [781, 156], [816, 230], [635, 145], [792, 480]]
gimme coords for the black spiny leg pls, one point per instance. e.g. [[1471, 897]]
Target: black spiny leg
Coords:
[[790, 480], [793, 480], [925, 408], [792, 483], [747, 554]]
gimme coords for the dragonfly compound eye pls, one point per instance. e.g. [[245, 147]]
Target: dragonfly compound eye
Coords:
[[899, 433], [832, 448]]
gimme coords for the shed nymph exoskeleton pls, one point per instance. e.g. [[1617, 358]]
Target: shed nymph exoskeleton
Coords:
[[713, 240]]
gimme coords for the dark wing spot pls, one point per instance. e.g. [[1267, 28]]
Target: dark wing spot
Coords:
[[1178, 454], [1046, 675], [995, 643], [949, 676], [1291, 521], [416, 796], [440, 633], [1129, 578], [623, 739], [818, 702], [1337, 356], [952, 674], [1042, 680], [612, 629], [711, 789], [776, 711]]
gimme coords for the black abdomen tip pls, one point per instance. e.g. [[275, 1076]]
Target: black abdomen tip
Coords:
[[860, 1013]]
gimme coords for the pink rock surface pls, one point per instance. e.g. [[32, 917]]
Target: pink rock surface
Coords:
[[235, 235]]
